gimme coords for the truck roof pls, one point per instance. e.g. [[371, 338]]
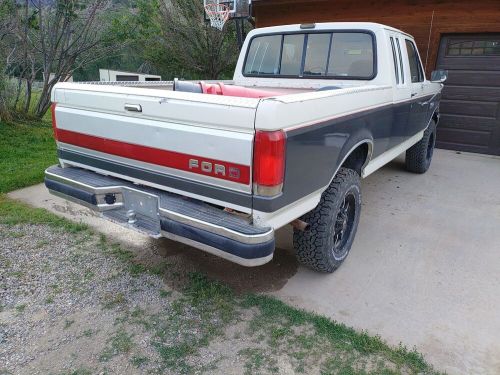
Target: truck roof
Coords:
[[371, 26]]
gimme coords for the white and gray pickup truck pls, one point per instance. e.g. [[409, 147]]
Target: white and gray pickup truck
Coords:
[[311, 110]]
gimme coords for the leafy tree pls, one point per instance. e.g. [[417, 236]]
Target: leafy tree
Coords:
[[122, 27], [178, 41], [51, 39], [48, 41]]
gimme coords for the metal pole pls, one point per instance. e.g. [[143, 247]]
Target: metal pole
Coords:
[[239, 32]]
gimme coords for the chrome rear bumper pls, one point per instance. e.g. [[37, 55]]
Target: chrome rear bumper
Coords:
[[160, 213]]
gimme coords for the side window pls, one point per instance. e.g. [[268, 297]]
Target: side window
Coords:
[[291, 56], [400, 62], [263, 56], [415, 68], [395, 59]]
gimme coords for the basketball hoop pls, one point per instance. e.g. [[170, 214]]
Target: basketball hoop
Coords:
[[218, 14]]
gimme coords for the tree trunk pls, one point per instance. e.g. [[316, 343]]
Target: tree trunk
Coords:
[[44, 101], [44, 109], [18, 92], [27, 96]]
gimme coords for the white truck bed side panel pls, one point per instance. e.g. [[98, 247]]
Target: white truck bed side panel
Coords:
[[292, 111]]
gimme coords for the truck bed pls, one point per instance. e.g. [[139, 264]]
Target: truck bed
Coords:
[[169, 85], [185, 143]]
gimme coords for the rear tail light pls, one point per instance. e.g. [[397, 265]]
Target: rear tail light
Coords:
[[54, 125], [269, 162]]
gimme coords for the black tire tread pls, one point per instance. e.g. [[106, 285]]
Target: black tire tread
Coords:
[[311, 246], [416, 159]]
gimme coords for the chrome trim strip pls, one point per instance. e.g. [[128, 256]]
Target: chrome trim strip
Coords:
[[101, 207], [81, 185], [219, 253], [217, 229]]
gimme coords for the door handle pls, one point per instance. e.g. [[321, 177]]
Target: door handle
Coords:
[[133, 107], [413, 94], [429, 100]]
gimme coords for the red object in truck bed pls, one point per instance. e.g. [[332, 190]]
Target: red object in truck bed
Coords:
[[230, 90]]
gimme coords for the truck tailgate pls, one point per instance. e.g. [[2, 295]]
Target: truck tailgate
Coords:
[[196, 145]]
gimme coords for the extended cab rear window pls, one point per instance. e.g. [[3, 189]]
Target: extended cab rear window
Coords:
[[336, 55]]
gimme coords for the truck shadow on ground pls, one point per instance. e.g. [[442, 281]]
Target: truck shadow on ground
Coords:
[[178, 261], [175, 262]]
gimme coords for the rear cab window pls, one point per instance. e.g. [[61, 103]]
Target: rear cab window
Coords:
[[264, 55], [316, 62], [335, 55], [291, 55]]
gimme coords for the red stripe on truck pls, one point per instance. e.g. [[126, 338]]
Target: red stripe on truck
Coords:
[[184, 162]]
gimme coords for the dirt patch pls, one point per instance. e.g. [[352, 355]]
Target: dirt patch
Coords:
[[73, 210], [180, 260], [269, 277]]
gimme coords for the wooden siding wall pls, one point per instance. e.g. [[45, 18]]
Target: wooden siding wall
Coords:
[[411, 16]]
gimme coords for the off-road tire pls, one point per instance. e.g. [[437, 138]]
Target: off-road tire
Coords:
[[315, 246], [419, 156]]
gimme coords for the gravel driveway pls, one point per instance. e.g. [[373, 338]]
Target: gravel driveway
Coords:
[[63, 303]]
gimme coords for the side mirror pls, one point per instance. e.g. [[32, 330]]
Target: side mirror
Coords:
[[439, 76]]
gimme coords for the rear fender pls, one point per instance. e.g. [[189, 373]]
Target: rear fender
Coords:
[[277, 218], [352, 144]]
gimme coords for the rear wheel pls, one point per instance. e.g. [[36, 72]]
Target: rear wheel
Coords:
[[332, 224], [419, 156]]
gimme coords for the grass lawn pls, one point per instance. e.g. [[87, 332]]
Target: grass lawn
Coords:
[[27, 148]]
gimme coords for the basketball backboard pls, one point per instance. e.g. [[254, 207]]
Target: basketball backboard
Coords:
[[218, 12], [238, 9]]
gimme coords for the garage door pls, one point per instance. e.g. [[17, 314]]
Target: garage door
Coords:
[[470, 107]]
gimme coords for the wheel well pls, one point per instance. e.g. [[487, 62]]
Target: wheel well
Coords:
[[357, 158]]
